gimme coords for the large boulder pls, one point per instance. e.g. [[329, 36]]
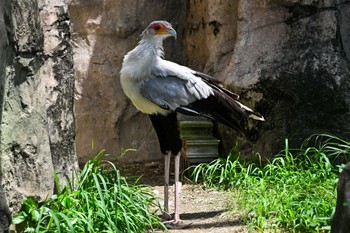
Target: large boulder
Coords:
[[37, 87]]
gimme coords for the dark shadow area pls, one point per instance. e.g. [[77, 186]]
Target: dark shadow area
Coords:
[[198, 215], [215, 224], [7, 56], [191, 220], [151, 172]]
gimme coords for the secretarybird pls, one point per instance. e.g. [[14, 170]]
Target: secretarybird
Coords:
[[161, 88]]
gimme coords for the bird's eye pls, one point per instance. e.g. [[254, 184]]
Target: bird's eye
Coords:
[[157, 27]]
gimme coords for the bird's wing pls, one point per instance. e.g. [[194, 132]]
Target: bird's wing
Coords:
[[181, 89], [172, 86], [183, 72], [166, 92], [216, 84]]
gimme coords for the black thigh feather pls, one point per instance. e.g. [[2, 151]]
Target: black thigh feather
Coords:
[[168, 132]]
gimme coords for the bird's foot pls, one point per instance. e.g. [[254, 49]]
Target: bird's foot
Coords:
[[176, 224]]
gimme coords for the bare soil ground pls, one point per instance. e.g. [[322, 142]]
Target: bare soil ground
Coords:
[[200, 211]]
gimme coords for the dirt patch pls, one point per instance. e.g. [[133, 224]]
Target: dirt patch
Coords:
[[203, 210]]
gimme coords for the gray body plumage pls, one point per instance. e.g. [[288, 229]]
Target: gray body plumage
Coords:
[[172, 88], [157, 86]]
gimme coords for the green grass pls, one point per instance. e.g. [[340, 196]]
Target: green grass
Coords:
[[295, 192], [100, 200]]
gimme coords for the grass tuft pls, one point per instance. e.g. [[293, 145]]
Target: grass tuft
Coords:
[[102, 201], [296, 191]]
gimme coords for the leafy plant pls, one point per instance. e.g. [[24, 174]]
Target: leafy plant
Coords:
[[294, 192], [100, 201]]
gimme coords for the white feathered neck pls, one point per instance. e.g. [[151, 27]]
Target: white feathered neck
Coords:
[[144, 56]]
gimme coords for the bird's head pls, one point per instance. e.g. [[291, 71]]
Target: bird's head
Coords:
[[159, 29]]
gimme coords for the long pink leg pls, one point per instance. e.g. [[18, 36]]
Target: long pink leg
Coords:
[[177, 188], [166, 183]]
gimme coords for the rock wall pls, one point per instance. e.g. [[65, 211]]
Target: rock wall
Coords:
[[103, 32], [288, 59], [290, 54], [37, 89]]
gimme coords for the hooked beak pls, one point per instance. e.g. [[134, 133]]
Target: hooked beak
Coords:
[[172, 32]]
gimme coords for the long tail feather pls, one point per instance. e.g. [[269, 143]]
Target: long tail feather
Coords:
[[224, 109]]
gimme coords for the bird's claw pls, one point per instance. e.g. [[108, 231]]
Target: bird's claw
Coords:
[[170, 222]]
